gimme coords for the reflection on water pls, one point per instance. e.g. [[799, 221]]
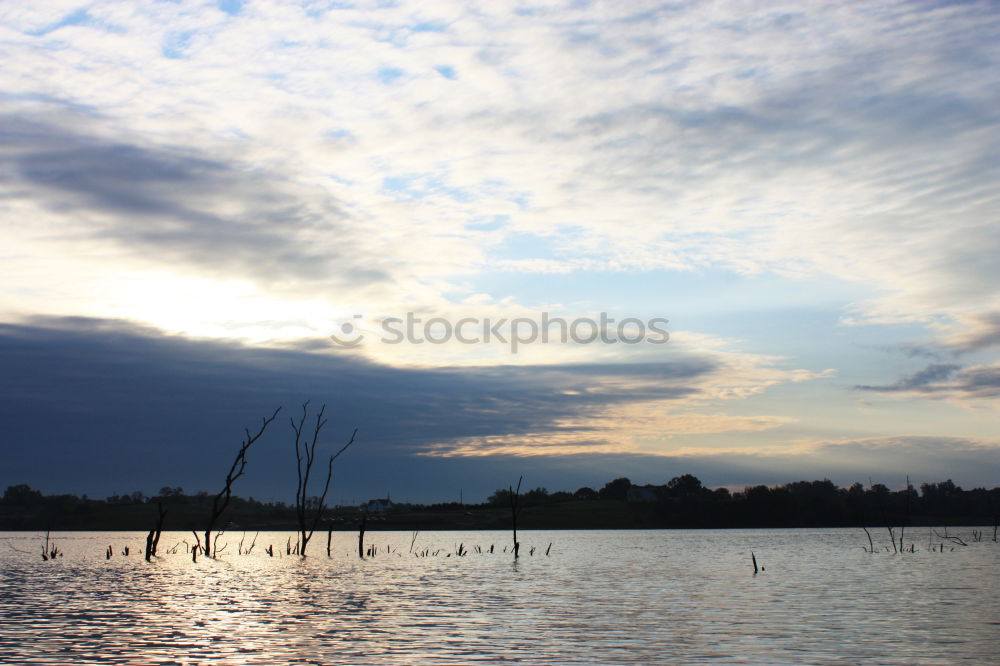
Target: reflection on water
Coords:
[[602, 596]]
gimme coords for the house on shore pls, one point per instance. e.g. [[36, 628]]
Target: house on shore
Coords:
[[377, 505]]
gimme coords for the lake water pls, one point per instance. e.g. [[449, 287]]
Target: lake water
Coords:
[[642, 596]]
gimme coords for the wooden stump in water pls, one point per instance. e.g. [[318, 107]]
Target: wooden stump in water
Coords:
[[361, 537]]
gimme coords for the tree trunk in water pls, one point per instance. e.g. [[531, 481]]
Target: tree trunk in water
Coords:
[[514, 509], [361, 538]]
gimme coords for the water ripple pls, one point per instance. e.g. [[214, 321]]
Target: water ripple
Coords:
[[602, 597]]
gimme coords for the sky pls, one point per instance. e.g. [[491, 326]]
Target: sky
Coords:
[[762, 237]]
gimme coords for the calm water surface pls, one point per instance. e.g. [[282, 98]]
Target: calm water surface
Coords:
[[655, 596]]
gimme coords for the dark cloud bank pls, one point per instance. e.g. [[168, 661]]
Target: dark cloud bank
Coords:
[[101, 407]]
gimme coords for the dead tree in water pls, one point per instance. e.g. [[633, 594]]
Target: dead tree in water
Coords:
[[515, 508], [361, 536], [236, 470], [871, 546], [153, 538], [953, 539], [902, 528], [50, 551], [305, 456], [885, 519]]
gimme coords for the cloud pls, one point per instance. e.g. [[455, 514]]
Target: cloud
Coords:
[[603, 435], [180, 207], [850, 141], [914, 350], [120, 400], [932, 374], [926, 457], [980, 382], [948, 380], [106, 406], [983, 332]]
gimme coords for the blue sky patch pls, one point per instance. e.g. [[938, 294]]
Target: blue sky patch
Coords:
[[231, 7], [176, 43], [446, 71], [389, 74], [78, 17]]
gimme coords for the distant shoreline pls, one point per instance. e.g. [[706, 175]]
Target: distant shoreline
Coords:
[[369, 529], [574, 515], [683, 503]]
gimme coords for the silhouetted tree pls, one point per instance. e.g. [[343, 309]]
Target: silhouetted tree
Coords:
[[21, 494], [616, 490], [305, 456], [236, 470], [536, 496], [684, 485], [501, 497]]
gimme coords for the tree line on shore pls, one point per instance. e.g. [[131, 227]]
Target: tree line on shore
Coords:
[[684, 501], [681, 502]]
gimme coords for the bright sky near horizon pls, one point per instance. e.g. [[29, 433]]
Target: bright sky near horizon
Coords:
[[808, 192]]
